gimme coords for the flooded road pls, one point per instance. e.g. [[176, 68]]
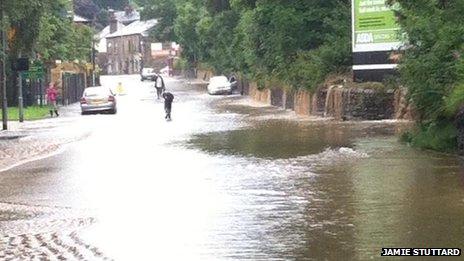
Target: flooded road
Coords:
[[227, 181]]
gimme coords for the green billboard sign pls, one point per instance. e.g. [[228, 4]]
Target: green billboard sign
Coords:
[[34, 73], [374, 26]]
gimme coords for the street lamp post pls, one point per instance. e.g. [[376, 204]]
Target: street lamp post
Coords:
[[20, 97]]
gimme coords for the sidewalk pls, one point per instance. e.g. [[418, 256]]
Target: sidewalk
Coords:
[[30, 140], [14, 131]]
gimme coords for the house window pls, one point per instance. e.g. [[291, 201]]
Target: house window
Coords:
[[131, 46]]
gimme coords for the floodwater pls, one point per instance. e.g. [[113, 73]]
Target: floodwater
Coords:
[[228, 181], [336, 191]]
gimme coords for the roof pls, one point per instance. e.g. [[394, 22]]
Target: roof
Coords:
[[138, 27], [80, 19], [106, 31], [125, 18]]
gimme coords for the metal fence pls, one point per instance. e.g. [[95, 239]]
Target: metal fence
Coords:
[[34, 92], [73, 87]]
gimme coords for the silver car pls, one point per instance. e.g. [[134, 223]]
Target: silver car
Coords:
[[148, 74], [219, 85], [98, 99]]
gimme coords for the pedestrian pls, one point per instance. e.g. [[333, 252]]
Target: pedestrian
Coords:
[[168, 99], [120, 89], [52, 94], [159, 85]]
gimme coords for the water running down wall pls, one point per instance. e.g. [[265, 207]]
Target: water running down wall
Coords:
[[339, 103]]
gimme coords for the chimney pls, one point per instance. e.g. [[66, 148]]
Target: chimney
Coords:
[[128, 10], [113, 21]]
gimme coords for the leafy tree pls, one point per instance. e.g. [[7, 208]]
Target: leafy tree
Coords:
[[86, 8], [43, 27], [432, 66], [112, 4], [21, 21], [23, 18], [185, 28], [163, 10], [60, 38], [295, 42]]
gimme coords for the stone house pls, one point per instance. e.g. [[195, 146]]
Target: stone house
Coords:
[[128, 48]]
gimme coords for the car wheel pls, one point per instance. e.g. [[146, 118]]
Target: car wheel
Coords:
[[83, 113], [113, 111]]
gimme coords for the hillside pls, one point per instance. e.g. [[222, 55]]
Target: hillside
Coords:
[[97, 8]]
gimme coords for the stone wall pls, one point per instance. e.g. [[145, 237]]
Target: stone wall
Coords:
[[339, 103], [289, 100], [459, 123], [370, 105], [404, 109], [318, 102], [263, 96], [277, 95], [303, 103], [204, 75]]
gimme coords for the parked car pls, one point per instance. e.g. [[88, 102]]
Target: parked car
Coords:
[[98, 99], [148, 74], [219, 85]]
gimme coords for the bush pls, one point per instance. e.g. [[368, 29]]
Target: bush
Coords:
[[439, 136]]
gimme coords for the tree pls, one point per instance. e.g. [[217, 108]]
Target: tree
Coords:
[[166, 13], [60, 39], [22, 18], [185, 28], [296, 42], [43, 28], [112, 4], [432, 67], [86, 8]]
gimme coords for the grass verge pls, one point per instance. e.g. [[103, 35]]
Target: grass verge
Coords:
[[30, 113]]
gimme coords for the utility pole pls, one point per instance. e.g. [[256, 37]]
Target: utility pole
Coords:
[[20, 97], [93, 52], [3, 71]]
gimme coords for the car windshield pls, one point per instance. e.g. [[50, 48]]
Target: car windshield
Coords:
[[99, 91], [147, 70], [219, 80]]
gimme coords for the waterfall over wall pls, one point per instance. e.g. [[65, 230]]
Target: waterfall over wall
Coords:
[[339, 103]]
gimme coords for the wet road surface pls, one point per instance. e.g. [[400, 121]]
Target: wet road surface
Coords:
[[224, 181]]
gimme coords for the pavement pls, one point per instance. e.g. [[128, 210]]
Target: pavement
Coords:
[[31, 140]]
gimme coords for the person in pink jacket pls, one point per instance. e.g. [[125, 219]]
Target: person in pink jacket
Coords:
[[52, 94]]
